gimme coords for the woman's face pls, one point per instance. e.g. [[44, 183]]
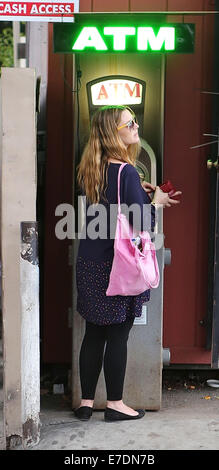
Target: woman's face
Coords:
[[128, 128]]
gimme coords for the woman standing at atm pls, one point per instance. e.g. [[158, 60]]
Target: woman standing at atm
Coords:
[[113, 140]]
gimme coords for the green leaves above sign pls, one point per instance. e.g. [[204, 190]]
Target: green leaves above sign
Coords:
[[89, 34]]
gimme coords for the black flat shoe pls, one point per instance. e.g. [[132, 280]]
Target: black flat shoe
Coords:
[[83, 413], [113, 415]]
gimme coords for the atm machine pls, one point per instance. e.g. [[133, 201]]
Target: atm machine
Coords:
[[143, 383]]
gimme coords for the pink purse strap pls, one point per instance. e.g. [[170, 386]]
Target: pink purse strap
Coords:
[[120, 169]]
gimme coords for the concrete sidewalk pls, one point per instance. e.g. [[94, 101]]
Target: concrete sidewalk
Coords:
[[189, 419]]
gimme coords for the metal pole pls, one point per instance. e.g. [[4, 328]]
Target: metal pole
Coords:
[[30, 354]]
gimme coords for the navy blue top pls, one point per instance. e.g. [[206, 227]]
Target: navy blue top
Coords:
[[131, 192]]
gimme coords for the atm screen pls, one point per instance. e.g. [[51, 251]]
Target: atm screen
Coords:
[[117, 90]]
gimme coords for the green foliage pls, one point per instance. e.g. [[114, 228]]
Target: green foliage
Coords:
[[6, 48]]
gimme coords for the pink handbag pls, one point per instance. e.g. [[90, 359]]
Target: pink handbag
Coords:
[[133, 271]]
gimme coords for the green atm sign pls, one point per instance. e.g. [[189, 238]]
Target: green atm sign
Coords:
[[145, 37], [116, 33]]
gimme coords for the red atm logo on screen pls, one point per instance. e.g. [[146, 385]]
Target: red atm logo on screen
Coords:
[[116, 91]]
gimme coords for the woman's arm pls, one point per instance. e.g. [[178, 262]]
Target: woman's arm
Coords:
[[142, 215]]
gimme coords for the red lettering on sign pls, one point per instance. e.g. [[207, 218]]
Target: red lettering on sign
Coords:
[[136, 89], [102, 93], [36, 9], [115, 86]]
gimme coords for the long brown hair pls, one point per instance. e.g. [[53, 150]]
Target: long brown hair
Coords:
[[104, 142]]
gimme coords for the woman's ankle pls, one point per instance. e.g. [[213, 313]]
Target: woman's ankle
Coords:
[[114, 403], [86, 402]]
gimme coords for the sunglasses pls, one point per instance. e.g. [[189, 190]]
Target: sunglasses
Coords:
[[130, 124]]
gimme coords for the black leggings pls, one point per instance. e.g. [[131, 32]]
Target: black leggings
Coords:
[[113, 358]]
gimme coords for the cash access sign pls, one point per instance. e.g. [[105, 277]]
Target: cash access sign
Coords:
[[49, 11]]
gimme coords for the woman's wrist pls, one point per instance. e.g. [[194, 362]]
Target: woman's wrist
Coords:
[[155, 204]]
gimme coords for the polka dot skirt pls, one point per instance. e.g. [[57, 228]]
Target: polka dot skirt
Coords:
[[94, 305]]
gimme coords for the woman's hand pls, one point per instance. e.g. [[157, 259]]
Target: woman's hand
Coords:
[[148, 187], [163, 199], [174, 201]]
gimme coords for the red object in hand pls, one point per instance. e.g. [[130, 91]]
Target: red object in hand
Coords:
[[167, 187]]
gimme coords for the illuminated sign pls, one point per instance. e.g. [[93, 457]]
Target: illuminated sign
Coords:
[[116, 91], [49, 11], [112, 33], [90, 38]]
